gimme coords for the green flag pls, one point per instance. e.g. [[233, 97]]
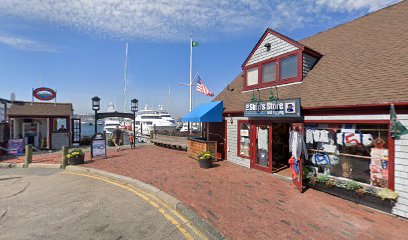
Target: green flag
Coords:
[[396, 128], [195, 44]]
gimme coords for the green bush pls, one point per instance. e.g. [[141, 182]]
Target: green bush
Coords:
[[321, 178], [353, 186], [388, 194]]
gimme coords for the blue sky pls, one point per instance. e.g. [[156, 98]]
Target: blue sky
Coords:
[[78, 47]]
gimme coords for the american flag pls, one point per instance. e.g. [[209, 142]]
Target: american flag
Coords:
[[202, 88]]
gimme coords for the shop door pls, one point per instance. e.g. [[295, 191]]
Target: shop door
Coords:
[[261, 158], [76, 130]]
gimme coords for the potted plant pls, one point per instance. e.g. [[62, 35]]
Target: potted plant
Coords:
[[205, 159], [76, 157]]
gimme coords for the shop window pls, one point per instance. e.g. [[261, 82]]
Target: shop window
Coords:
[[252, 76], [269, 72], [289, 67], [244, 139], [358, 152]]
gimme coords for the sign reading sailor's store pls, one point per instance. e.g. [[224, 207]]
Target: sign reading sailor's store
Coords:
[[275, 108]]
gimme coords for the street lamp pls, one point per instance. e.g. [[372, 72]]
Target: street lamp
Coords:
[[134, 108], [96, 105]]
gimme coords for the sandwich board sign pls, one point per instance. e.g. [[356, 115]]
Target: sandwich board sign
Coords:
[[98, 145]]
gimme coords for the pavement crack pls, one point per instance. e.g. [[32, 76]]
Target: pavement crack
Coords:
[[4, 214], [9, 178], [17, 193]]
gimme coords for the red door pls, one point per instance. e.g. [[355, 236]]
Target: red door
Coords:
[[261, 140]]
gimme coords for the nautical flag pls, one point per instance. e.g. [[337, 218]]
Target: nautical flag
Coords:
[[202, 88], [397, 128], [195, 44]]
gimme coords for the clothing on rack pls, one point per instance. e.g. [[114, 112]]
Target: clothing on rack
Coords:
[[297, 145], [309, 136]]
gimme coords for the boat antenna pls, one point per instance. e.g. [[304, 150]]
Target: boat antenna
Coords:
[[125, 80]]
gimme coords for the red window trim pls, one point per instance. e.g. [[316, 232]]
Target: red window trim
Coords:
[[239, 139], [278, 80], [391, 146]]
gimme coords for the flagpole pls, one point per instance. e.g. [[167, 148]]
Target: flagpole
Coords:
[[191, 72]]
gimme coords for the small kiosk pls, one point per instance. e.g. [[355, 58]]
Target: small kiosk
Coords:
[[44, 125]]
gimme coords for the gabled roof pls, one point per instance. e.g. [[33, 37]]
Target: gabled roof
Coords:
[[39, 109], [364, 62], [282, 37]]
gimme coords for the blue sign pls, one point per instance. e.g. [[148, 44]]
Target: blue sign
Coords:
[[285, 108], [98, 145], [15, 147]]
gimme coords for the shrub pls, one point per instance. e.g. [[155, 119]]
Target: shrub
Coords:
[[75, 153], [321, 178], [353, 186], [205, 155], [388, 194]]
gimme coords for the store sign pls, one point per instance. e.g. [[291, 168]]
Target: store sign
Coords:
[[277, 108], [44, 94]]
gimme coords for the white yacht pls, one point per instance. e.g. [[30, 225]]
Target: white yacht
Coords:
[[111, 123], [148, 119]]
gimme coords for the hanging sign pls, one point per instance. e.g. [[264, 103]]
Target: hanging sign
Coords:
[[274, 108], [44, 94], [98, 145]]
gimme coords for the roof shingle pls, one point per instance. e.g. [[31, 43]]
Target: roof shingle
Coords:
[[364, 62]]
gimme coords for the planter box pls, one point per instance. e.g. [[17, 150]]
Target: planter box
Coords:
[[76, 160], [366, 199], [195, 146]]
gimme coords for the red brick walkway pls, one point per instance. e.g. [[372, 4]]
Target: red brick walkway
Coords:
[[248, 204]]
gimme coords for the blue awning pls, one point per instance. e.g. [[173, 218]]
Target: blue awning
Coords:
[[207, 112]]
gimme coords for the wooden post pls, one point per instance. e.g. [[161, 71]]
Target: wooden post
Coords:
[[28, 155], [64, 157]]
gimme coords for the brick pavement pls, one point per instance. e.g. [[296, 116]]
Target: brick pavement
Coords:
[[248, 204]]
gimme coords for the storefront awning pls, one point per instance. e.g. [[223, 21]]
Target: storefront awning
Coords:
[[207, 112]]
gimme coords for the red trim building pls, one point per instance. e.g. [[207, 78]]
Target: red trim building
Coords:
[[344, 81]]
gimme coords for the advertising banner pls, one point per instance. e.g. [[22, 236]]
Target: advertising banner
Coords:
[[15, 147], [98, 145]]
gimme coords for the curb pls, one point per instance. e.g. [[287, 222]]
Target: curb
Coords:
[[31, 165], [174, 203]]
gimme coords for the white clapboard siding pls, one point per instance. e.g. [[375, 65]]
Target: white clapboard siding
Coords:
[[401, 171], [278, 47], [308, 63], [232, 140]]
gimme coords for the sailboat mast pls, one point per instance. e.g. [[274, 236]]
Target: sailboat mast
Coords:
[[168, 101], [125, 80], [191, 72]]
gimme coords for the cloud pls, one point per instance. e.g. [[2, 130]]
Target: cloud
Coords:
[[164, 20], [27, 44], [353, 5]]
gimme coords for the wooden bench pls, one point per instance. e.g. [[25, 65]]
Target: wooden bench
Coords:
[[174, 142]]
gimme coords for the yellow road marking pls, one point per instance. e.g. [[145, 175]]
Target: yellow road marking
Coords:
[[144, 197]]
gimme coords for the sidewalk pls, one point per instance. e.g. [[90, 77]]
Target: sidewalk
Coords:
[[248, 204]]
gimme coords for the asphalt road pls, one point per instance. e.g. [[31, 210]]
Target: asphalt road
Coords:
[[46, 204]]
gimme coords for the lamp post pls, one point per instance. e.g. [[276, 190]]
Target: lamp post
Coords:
[[96, 104], [134, 108]]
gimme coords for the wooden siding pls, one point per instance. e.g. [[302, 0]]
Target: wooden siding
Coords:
[[278, 47], [308, 63], [401, 172], [232, 140]]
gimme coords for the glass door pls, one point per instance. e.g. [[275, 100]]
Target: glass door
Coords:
[[262, 150]]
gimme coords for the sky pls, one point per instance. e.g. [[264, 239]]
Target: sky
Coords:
[[77, 47]]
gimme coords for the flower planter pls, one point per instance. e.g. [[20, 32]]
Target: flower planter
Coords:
[[80, 159], [365, 199], [205, 163]]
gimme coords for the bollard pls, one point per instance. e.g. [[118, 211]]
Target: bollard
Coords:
[[64, 157], [28, 155]]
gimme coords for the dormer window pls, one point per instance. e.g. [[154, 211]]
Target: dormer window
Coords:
[[252, 76], [289, 67], [269, 72], [277, 60]]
